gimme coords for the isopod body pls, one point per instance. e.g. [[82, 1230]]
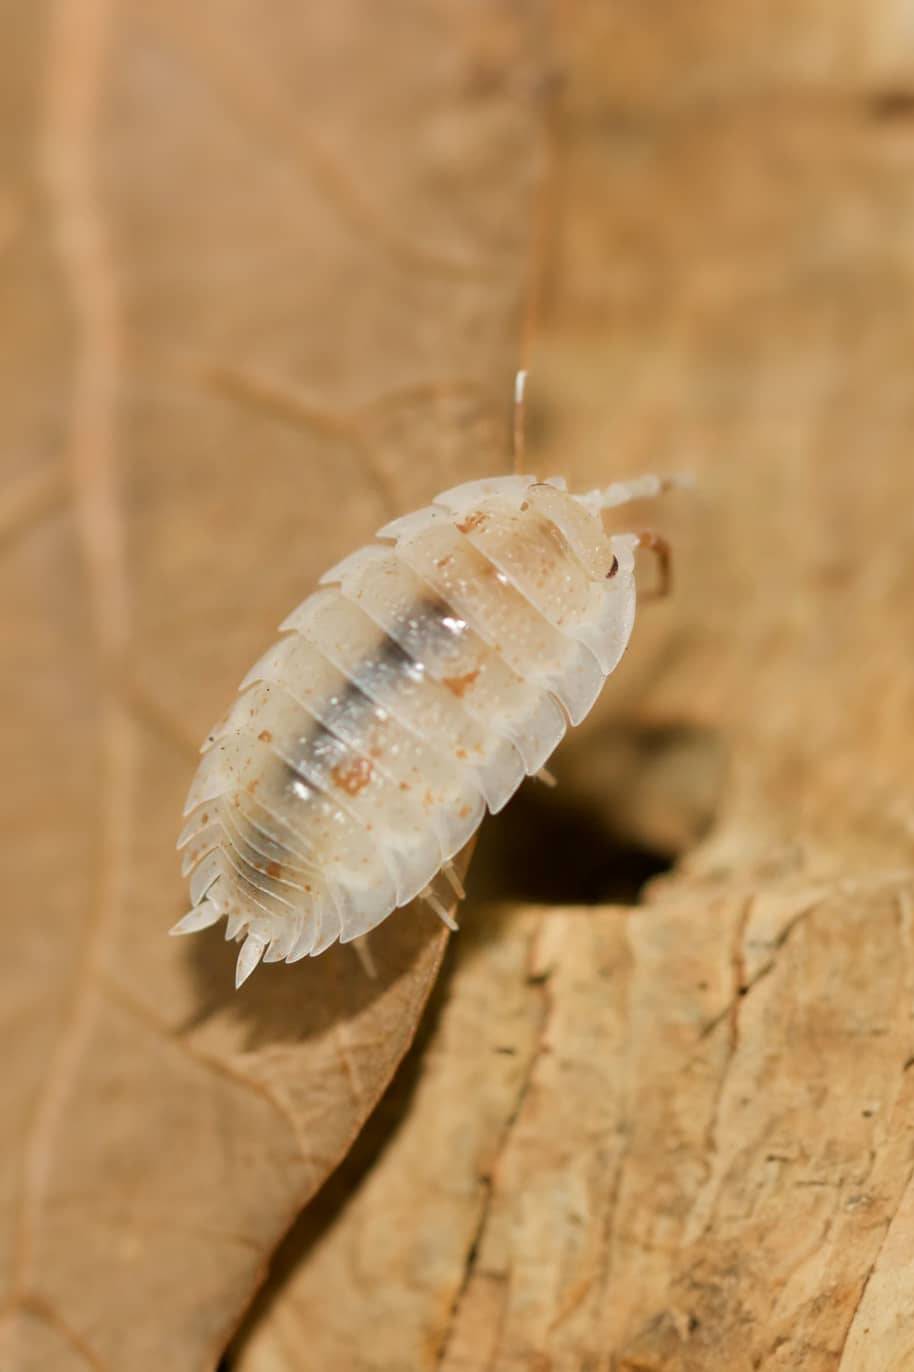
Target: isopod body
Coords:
[[428, 675]]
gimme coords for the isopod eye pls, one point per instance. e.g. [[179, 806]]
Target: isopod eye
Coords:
[[613, 568]]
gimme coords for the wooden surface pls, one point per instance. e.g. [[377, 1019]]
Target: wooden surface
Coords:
[[265, 284]]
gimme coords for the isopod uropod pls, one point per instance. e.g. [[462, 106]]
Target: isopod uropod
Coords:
[[430, 673]]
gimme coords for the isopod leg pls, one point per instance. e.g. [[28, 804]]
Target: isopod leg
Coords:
[[450, 873], [545, 776], [362, 951], [663, 553], [440, 909]]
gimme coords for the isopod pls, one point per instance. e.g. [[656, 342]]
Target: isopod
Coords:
[[413, 691]]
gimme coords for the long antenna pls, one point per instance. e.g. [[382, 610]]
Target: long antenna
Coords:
[[520, 415]]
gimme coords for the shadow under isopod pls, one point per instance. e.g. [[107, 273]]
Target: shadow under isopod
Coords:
[[630, 800]]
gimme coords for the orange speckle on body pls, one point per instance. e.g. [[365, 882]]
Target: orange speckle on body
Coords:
[[352, 777], [265, 736], [274, 869], [472, 521], [459, 685]]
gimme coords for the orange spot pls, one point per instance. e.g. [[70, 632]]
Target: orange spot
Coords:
[[252, 785], [472, 521], [405, 786], [461, 752], [464, 811], [354, 776], [204, 817], [274, 869], [265, 736], [459, 685]]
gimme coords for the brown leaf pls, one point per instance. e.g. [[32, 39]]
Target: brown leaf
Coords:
[[699, 1155], [262, 277]]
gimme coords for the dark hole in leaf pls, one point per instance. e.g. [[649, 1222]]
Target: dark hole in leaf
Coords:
[[630, 800], [553, 853]]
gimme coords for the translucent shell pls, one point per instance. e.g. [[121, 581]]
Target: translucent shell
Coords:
[[429, 674]]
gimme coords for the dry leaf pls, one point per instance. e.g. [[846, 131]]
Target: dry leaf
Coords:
[[677, 1136], [262, 277]]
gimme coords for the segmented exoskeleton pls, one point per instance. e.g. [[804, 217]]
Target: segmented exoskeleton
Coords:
[[416, 689]]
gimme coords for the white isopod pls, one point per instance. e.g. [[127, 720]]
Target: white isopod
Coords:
[[416, 689]]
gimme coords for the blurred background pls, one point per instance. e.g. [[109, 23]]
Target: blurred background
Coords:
[[266, 276]]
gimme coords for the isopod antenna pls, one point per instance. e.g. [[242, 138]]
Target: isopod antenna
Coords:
[[638, 488]]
